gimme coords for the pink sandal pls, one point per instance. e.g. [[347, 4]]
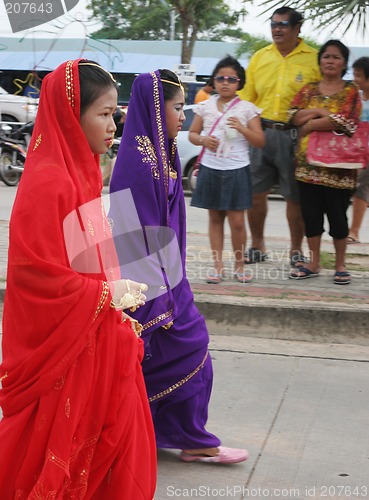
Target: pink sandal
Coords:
[[244, 277], [214, 279], [224, 456]]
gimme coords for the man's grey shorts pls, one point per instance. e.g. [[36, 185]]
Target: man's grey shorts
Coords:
[[362, 190], [274, 164]]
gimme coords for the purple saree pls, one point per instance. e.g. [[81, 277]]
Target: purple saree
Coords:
[[177, 366]]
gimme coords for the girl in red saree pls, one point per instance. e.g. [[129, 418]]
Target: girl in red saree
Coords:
[[76, 421]]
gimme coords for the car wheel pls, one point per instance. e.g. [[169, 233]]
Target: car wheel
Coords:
[[189, 171]]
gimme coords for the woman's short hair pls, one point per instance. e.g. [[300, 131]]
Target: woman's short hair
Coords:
[[340, 46]]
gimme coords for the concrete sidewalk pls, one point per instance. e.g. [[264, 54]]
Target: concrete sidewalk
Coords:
[[272, 305], [300, 409]]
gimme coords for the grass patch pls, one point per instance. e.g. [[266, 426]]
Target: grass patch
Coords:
[[354, 261]]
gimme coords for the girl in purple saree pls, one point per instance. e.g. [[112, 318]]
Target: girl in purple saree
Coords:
[[177, 366]]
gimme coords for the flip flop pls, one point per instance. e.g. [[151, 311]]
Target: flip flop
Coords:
[[342, 278], [245, 277], [351, 240], [254, 255], [307, 273], [214, 279], [298, 258], [225, 456]]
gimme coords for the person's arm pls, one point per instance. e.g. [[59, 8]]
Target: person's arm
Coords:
[[252, 132], [302, 116], [194, 135]]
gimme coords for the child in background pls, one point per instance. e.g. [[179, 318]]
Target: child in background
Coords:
[[360, 200]]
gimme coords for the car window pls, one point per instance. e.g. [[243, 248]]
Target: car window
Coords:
[[189, 117]]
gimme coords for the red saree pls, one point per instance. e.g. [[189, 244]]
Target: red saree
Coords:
[[76, 418]]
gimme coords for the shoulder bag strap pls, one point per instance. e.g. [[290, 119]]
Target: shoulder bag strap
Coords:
[[201, 154]]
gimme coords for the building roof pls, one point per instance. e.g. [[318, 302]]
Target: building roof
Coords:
[[118, 56]]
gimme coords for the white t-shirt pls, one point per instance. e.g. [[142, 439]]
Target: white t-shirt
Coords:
[[233, 150], [365, 109]]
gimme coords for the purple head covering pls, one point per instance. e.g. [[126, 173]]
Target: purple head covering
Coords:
[[148, 164], [177, 366]]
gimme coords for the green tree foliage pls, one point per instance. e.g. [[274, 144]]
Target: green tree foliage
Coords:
[[150, 20], [251, 44], [333, 13]]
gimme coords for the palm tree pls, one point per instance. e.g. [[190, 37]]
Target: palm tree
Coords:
[[333, 13]]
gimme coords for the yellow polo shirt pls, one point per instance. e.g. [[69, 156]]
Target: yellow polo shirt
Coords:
[[272, 80]]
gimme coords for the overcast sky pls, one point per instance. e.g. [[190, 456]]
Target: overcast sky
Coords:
[[76, 24]]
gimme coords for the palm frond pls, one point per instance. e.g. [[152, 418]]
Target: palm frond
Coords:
[[343, 14]]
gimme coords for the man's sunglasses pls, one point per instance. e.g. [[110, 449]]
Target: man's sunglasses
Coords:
[[229, 79], [279, 24]]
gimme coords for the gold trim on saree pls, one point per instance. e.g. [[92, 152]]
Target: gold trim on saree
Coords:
[[159, 124], [69, 85], [172, 172], [103, 297], [157, 320], [179, 384]]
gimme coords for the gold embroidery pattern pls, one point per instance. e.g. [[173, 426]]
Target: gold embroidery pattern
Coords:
[[59, 383], [147, 150], [41, 422], [172, 172], [69, 82], [90, 227], [38, 493], [67, 408], [159, 124], [37, 142], [180, 383], [103, 298], [3, 377], [157, 320], [57, 461]]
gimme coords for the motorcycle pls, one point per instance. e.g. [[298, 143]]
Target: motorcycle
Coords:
[[108, 161], [13, 150]]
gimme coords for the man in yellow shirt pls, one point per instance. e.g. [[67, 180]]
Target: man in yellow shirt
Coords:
[[273, 77]]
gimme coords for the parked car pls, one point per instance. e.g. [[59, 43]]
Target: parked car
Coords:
[[17, 108], [188, 152]]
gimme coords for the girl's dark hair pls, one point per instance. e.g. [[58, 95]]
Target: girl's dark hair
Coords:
[[340, 46], [169, 90], [94, 81], [362, 63], [230, 62], [294, 16]]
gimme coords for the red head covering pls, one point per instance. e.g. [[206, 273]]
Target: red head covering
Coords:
[[76, 417]]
